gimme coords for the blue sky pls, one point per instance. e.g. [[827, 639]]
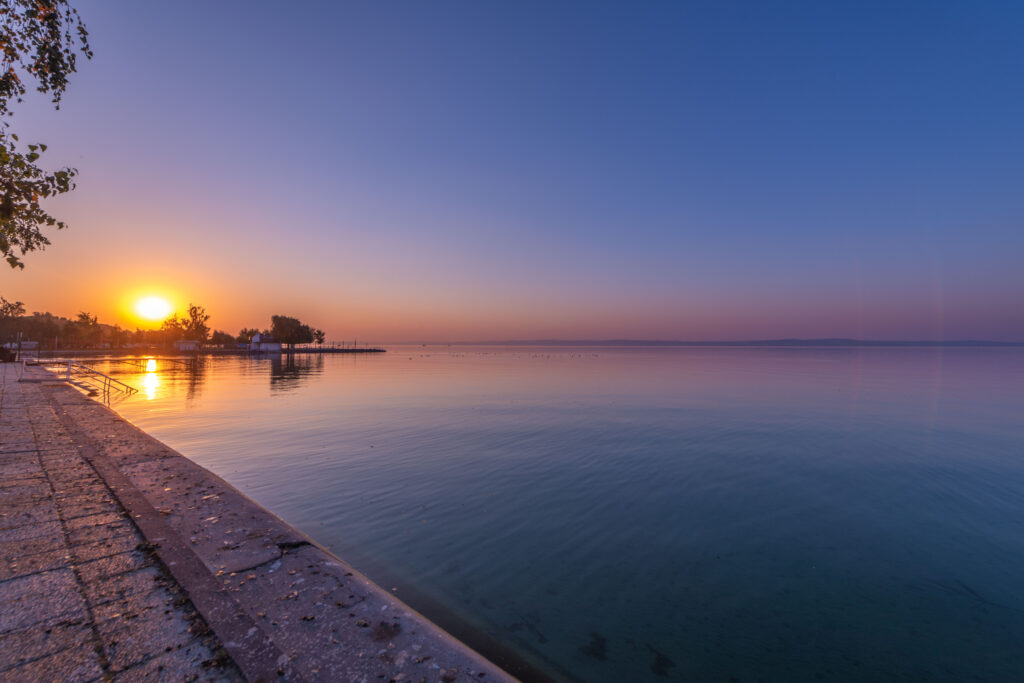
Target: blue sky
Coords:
[[470, 170]]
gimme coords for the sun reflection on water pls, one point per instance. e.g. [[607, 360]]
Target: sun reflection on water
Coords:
[[150, 381], [151, 365]]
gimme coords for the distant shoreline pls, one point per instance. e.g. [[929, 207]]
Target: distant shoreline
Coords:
[[157, 351], [758, 342], [567, 343]]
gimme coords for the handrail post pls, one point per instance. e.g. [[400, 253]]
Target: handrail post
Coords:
[[68, 377]]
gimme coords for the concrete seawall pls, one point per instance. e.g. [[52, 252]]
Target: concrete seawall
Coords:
[[279, 605]]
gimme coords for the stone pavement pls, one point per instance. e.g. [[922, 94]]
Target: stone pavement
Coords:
[[123, 559], [82, 597]]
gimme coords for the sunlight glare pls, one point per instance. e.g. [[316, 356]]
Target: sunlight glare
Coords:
[[151, 365], [153, 308]]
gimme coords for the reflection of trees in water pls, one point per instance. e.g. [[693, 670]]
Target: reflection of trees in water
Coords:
[[287, 372], [196, 374]]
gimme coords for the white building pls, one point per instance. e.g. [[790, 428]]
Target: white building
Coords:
[[264, 343], [25, 345], [186, 345]]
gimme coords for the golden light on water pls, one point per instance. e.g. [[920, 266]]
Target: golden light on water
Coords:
[[153, 308], [151, 365], [150, 382]]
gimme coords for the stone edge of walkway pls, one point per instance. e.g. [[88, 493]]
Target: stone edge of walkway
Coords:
[[269, 592]]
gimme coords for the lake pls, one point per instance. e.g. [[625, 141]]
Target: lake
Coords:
[[643, 514]]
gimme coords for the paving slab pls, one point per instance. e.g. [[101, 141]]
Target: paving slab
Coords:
[[34, 598], [18, 561], [21, 646], [112, 565], [29, 532], [80, 663]]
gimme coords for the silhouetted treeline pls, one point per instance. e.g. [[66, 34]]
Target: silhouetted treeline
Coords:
[[55, 332], [284, 329]]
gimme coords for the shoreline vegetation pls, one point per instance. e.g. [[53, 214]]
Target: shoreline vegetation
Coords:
[[206, 351], [49, 334]]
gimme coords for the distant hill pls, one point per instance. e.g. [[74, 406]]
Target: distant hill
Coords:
[[756, 342]]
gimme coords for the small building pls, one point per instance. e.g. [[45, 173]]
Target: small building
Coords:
[[264, 343], [188, 345], [27, 349], [25, 345]]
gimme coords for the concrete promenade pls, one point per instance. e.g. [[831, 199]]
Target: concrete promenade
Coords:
[[122, 560], [81, 598]]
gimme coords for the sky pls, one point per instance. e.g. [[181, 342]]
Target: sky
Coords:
[[443, 171]]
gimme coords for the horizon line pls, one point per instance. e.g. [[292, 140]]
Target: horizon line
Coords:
[[786, 341]]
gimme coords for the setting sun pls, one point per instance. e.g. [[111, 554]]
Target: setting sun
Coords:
[[153, 308]]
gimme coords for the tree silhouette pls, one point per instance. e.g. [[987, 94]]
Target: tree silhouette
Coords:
[[194, 326], [39, 41], [11, 309], [290, 331], [246, 334], [222, 338]]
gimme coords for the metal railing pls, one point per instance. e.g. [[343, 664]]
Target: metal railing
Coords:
[[142, 362], [83, 376]]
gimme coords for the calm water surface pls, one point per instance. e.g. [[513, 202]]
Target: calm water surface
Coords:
[[635, 514]]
